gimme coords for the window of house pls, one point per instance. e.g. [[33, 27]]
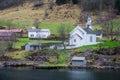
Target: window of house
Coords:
[[91, 39], [74, 40], [32, 35]]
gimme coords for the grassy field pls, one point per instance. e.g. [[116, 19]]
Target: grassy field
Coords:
[[97, 46], [53, 26], [23, 41]]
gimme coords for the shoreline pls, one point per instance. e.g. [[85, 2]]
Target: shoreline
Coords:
[[35, 65]]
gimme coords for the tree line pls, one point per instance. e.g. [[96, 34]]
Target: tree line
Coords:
[[87, 5], [92, 5]]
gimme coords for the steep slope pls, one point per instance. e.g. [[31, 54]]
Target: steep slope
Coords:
[[27, 12]]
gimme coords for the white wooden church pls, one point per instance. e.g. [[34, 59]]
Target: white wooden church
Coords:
[[84, 35]]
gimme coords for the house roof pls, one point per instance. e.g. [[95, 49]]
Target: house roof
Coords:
[[98, 32], [78, 58], [38, 30], [6, 33], [11, 30], [89, 31]]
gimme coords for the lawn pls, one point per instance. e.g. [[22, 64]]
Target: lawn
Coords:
[[23, 41], [96, 46]]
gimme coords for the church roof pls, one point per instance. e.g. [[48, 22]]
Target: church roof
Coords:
[[98, 32], [89, 31]]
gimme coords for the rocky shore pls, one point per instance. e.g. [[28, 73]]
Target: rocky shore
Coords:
[[36, 65]]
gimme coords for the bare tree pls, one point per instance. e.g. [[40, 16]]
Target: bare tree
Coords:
[[62, 30], [37, 3], [50, 4], [109, 25], [83, 17], [9, 24], [3, 48], [36, 23], [95, 5], [46, 14]]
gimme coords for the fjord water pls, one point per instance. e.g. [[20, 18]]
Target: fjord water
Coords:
[[36, 74]]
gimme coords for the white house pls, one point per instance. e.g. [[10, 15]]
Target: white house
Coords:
[[38, 33], [81, 36], [32, 46]]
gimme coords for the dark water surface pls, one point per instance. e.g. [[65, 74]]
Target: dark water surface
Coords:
[[36, 74]]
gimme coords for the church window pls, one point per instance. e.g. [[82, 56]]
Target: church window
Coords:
[[74, 40], [91, 39]]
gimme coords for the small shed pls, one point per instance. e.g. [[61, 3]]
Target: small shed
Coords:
[[33, 46], [79, 61]]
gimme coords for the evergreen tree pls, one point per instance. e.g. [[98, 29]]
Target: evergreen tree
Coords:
[[117, 5], [75, 1], [60, 2]]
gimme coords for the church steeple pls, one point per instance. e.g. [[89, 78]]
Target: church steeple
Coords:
[[89, 23]]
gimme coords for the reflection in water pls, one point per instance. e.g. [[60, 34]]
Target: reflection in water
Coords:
[[80, 75], [29, 74]]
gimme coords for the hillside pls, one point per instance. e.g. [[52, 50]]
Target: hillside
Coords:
[[27, 12], [24, 12]]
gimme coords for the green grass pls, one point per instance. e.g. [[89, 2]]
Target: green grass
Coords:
[[53, 26], [20, 54], [23, 41], [2, 23], [96, 46], [63, 55]]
